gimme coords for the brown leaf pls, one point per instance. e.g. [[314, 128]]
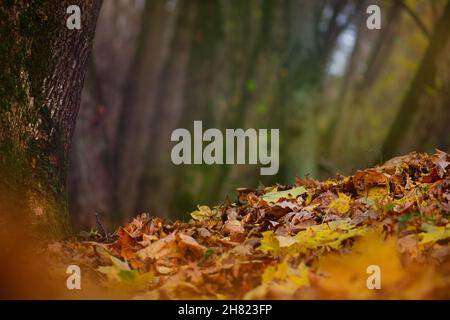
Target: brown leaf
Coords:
[[188, 243], [165, 247], [233, 227]]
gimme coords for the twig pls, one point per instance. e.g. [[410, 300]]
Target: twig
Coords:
[[101, 226]]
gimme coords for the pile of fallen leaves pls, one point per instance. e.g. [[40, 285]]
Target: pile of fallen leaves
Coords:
[[312, 240]]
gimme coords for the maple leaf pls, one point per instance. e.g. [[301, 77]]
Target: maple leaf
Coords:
[[293, 193], [327, 235], [323, 236]]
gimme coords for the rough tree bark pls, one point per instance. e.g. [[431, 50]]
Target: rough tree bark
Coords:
[[43, 67]]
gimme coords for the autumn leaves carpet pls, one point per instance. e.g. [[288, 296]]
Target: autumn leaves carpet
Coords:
[[381, 233]]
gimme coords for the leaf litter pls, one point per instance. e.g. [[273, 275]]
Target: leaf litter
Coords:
[[312, 240]]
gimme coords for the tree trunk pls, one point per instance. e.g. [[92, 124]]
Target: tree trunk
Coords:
[[139, 106], [305, 68], [91, 171], [43, 66], [424, 81], [157, 182]]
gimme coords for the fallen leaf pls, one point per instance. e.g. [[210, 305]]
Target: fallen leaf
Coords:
[[433, 234], [293, 193], [205, 212], [341, 205]]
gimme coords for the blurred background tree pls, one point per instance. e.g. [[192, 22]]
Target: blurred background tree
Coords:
[[344, 97]]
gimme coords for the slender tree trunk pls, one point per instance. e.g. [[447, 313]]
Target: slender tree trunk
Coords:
[[424, 81], [158, 179], [346, 84], [92, 154], [193, 183], [43, 67], [139, 106], [244, 93], [304, 67], [382, 47]]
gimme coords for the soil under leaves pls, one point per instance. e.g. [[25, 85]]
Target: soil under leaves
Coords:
[[314, 240]]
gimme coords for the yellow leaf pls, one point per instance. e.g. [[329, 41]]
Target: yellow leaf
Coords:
[[284, 272], [308, 199], [328, 235], [205, 212], [120, 276], [220, 296], [346, 276], [280, 282], [377, 193], [329, 183], [434, 234], [323, 236], [284, 242], [269, 243], [341, 205]]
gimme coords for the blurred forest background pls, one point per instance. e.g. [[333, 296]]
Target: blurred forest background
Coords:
[[343, 96]]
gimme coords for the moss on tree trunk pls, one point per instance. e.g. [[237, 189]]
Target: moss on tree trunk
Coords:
[[43, 66]]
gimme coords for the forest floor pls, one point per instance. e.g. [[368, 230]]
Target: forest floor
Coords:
[[381, 233]]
